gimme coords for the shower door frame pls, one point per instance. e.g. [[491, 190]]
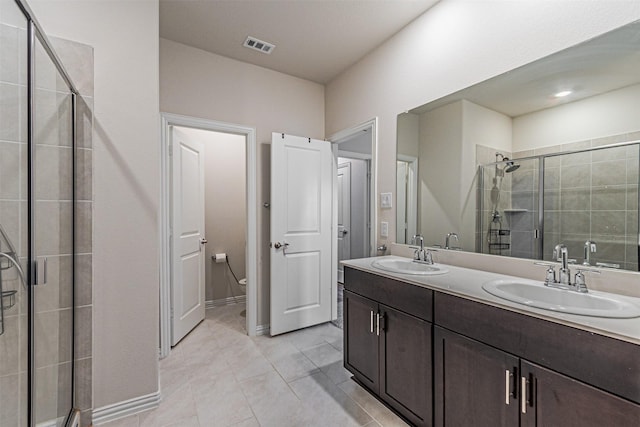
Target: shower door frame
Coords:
[[36, 33], [541, 163]]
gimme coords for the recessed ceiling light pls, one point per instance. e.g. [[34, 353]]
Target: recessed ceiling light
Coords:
[[563, 94]]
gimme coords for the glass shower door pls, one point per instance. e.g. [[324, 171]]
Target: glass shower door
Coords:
[[52, 242], [14, 231]]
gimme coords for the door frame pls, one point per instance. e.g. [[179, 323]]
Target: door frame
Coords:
[[335, 139], [373, 185], [412, 191], [169, 119]]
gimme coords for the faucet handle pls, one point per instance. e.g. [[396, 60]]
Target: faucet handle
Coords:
[[550, 274], [428, 256]]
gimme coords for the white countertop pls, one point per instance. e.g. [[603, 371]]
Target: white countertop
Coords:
[[467, 283]]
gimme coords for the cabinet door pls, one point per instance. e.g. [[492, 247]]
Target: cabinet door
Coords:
[[553, 399], [475, 385], [361, 339], [405, 362]]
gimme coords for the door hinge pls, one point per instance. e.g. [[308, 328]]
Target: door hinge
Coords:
[[170, 149]]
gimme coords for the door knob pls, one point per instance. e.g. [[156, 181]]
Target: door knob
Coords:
[[344, 232], [279, 245], [203, 241]]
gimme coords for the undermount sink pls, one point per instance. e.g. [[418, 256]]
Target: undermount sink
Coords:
[[536, 294], [407, 266]]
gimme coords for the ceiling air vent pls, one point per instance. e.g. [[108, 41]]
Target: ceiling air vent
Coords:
[[259, 45]]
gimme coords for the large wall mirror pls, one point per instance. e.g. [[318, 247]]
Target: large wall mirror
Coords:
[[544, 154]]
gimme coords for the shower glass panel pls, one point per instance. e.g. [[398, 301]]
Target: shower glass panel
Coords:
[[593, 196], [14, 235], [53, 242], [509, 215], [36, 227]]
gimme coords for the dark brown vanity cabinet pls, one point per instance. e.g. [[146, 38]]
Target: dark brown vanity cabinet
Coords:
[[361, 340], [553, 399], [491, 366], [387, 342], [479, 384], [475, 385]]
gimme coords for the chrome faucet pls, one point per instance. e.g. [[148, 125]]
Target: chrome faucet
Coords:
[[421, 254], [449, 236], [561, 253], [589, 248]]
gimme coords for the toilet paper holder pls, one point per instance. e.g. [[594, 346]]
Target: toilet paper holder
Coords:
[[219, 258]]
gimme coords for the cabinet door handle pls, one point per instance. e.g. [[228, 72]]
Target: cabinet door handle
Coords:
[[507, 384], [371, 321], [378, 324], [523, 395]]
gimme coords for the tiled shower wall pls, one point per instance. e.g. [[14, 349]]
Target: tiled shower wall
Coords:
[[518, 205], [592, 196], [78, 61]]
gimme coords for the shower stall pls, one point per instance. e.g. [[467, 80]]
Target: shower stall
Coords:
[[37, 205], [586, 199]]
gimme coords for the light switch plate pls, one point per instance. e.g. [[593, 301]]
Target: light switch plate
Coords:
[[386, 200], [384, 229]]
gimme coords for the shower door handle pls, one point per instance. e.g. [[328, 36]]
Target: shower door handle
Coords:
[[40, 271]]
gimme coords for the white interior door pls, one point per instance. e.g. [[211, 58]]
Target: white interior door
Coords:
[[187, 242], [301, 263], [344, 216]]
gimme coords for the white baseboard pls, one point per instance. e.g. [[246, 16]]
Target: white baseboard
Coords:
[[263, 329], [124, 409], [225, 301]]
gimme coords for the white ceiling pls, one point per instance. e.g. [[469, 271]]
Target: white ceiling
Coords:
[[315, 39]]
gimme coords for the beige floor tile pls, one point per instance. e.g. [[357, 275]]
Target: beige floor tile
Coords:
[[219, 400], [336, 372], [274, 348], [377, 410], [189, 422], [274, 403], [218, 376], [305, 338], [323, 355], [329, 402], [294, 366], [251, 422], [177, 407], [130, 421]]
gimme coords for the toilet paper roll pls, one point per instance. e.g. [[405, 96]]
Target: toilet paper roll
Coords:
[[220, 257]]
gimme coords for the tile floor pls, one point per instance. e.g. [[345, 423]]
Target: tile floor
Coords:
[[218, 376]]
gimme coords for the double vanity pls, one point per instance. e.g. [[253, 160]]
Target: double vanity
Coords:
[[450, 346]]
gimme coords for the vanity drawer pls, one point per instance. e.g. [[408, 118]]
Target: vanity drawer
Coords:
[[411, 299], [607, 363]]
